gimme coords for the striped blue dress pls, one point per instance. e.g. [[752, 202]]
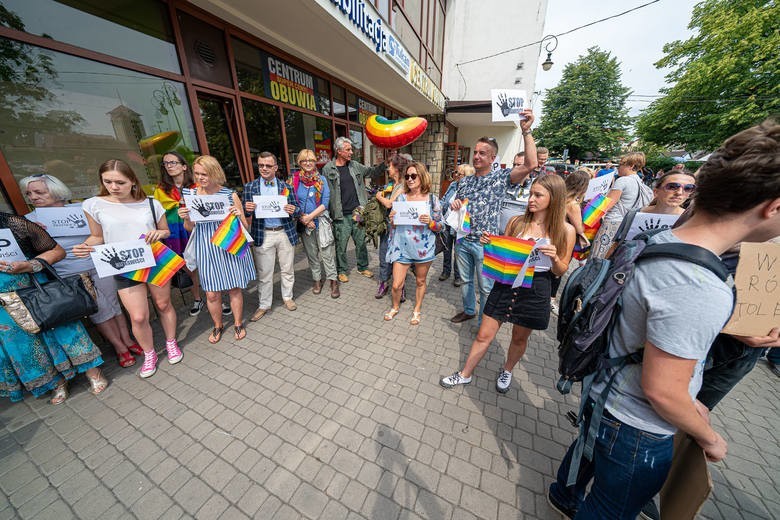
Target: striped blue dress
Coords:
[[218, 269]]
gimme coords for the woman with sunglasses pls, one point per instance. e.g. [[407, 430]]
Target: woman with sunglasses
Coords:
[[413, 244], [396, 165], [671, 191]]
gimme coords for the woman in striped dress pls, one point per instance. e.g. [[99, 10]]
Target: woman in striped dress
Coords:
[[219, 269]]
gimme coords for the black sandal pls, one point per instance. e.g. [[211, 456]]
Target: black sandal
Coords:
[[216, 333], [239, 329]]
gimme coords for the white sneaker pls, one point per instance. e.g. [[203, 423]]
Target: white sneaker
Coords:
[[197, 306], [453, 380], [226, 310], [503, 381], [553, 307]]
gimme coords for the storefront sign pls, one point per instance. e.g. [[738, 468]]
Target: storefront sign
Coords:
[[398, 53], [366, 20], [420, 80], [288, 84], [365, 110]]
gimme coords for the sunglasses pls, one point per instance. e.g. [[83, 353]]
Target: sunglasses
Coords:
[[410, 176], [674, 186]]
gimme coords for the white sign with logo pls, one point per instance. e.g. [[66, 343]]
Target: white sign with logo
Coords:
[[508, 104], [408, 212], [67, 221], [208, 207], [496, 165], [9, 248], [270, 206], [535, 259], [122, 257], [599, 185], [649, 221]]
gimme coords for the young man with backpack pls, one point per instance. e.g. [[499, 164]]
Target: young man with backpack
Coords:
[[672, 309]]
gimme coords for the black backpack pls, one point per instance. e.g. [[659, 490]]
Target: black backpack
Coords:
[[589, 307]]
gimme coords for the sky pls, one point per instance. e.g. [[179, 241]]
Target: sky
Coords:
[[635, 39]]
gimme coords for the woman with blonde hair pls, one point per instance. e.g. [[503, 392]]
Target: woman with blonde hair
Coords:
[[413, 244], [219, 269], [121, 212], [527, 309], [311, 191]]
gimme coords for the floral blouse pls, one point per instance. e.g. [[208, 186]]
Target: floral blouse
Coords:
[[415, 243]]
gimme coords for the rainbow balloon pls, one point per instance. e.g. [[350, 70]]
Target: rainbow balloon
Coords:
[[230, 236], [394, 133], [504, 257], [596, 208], [167, 264]]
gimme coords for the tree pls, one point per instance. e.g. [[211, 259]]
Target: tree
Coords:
[[724, 79], [586, 112]]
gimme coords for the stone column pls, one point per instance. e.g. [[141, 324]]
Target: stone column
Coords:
[[429, 148]]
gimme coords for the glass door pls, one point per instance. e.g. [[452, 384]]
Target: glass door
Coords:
[[221, 128]]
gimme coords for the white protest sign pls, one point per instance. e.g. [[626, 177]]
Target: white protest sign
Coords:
[[408, 212], [535, 259], [599, 185], [270, 206], [649, 221], [758, 290], [496, 164], [208, 207], [508, 104], [9, 248], [122, 257], [66, 221], [455, 221]]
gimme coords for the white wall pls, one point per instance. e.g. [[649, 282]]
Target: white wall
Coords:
[[479, 28]]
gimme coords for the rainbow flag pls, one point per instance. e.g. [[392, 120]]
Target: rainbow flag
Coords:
[[285, 191], [595, 209], [466, 226], [167, 264], [590, 232], [528, 277], [504, 257], [230, 236]]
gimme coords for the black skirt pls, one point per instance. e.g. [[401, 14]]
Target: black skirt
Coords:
[[528, 308]]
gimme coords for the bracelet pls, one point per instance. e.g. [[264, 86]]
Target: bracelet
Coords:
[[35, 265], [527, 132]]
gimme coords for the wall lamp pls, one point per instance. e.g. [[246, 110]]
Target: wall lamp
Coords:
[[552, 44]]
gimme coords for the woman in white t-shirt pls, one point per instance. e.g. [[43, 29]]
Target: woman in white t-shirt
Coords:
[[121, 211]]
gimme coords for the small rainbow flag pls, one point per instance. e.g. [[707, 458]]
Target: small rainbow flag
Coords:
[[168, 263], [528, 278], [504, 257], [230, 236], [466, 226], [595, 209], [285, 191], [590, 232]]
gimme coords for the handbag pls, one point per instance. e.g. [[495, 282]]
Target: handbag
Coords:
[[45, 305], [325, 230]]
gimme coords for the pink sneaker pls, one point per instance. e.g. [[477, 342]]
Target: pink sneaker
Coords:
[[174, 352], [150, 364]]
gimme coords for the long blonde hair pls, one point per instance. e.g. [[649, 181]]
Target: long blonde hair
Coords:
[[555, 219]]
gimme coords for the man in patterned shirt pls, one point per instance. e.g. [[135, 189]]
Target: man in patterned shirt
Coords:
[[485, 191]]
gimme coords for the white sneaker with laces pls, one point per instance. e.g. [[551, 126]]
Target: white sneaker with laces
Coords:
[[503, 381], [454, 380]]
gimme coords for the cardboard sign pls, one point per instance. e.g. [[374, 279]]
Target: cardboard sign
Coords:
[[9, 247], [270, 206], [208, 207], [649, 221], [508, 104], [758, 290], [599, 185], [122, 257], [66, 221], [408, 212], [689, 482]]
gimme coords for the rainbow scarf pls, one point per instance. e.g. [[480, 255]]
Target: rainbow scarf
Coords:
[[230, 236], [596, 208], [167, 263], [505, 257], [308, 181]]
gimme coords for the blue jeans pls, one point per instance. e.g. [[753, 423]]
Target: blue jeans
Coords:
[[628, 469], [448, 254], [728, 361], [469, 257], [773, 355], [385, 267]]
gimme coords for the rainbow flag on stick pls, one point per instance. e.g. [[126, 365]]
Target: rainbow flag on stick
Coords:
[[168, 263], [466, 226], [504, 257], [230, 236], [596, 208]]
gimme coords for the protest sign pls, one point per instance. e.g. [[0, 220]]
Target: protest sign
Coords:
[[688, 484], [9, 248], [649, 221], [508, 104], [208, 207], [270, 206], [757, 310], [409, 212], [65, 221], [598, 186], [122, 257]]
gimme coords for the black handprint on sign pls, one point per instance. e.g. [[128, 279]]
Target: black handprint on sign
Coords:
[[274, 206], [503, 104], [112, 258], [650, 224], [413, 213], [198, 206], [77, 222]]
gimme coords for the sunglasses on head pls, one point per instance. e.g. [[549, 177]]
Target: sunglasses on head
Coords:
[[410, 176], [674, 186]]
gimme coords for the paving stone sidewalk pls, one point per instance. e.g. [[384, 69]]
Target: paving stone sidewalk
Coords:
[[329, 412]]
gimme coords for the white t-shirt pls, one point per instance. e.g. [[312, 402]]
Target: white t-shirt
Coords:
[[123, 221], [70, 264]]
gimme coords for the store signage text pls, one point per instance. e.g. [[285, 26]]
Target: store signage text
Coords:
[[369, 25], [288, 84], [420, 80], [397, 53], [365, 110]]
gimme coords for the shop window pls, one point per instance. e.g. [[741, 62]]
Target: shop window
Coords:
[[248, 67], [365, 110], [356, 136], [413, 10], [383, 6], [438, 37], [339, 102], [264, 131], [307, 131], [407, 35], [204, 49], [138, 31], [65, 116], [352, 107]]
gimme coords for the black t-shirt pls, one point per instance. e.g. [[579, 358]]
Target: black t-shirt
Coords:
[[349, 198]]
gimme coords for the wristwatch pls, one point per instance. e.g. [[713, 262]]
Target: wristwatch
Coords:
[[37, 267]]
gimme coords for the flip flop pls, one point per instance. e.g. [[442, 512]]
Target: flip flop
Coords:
[[216, 335], [240, 332]]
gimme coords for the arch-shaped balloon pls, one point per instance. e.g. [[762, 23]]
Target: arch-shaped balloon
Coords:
[[394, 133]]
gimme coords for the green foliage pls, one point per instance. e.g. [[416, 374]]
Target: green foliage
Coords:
[[586, 112], [724, 79]]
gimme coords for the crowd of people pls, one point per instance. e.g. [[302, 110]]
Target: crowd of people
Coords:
[[737, 198]]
